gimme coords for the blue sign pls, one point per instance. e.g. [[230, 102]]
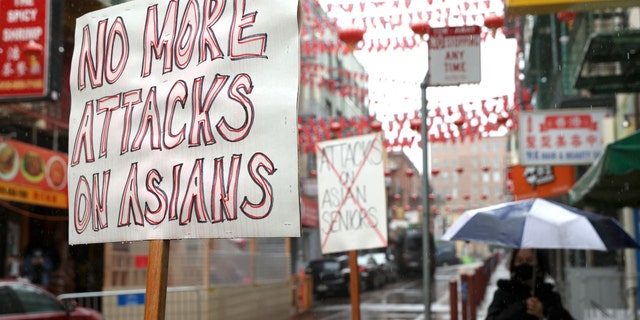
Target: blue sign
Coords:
[[133, 299]]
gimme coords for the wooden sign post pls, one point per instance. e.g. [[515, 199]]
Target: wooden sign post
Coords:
[[352, 202], [354, 281], [156, 296]]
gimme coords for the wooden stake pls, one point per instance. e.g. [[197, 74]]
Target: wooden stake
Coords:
[[156, 295], [354, 280]]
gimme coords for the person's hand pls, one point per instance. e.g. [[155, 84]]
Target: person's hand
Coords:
[[535, 307]]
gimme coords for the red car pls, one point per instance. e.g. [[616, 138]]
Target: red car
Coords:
[[20, 300]]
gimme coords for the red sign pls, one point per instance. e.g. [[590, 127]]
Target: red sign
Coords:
[[309, 212], [541, 181], [24, 34], [33, 175]]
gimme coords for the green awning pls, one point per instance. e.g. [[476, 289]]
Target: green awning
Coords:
[[613, 179]]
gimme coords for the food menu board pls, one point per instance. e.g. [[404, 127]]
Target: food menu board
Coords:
[[32, 174]]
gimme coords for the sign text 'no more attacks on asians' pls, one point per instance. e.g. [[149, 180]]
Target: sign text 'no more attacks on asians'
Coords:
[[183, 121]]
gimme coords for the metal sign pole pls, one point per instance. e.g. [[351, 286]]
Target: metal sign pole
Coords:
[[426, 220]]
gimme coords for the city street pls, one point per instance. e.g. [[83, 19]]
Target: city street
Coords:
[[399, 300]]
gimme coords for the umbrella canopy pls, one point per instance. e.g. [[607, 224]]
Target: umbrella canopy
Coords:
[[614, 178], [541, 224]]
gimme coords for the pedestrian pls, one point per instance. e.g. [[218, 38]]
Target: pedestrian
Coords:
[[526, 295], [37, 266]]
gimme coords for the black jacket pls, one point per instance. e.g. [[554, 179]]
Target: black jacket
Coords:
[[509, 302]]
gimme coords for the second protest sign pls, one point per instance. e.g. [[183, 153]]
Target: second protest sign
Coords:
[[351, 193]]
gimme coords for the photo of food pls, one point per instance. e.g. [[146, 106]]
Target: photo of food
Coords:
[[8, 161], [32, 167], [56, 173]]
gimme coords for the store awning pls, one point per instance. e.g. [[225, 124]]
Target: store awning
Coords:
[[611, 63], [613, 179]]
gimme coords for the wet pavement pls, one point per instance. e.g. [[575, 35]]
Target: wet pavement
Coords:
[[401, 300]]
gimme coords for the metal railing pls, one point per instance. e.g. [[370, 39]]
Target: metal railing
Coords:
[[183, 303]]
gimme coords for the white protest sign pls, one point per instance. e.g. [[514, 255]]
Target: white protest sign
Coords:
[[183, 121], [454, 55], [561, 137], [351, 193]]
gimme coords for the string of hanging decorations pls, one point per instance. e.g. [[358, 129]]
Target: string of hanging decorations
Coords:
[[385, 25], [473, 120]]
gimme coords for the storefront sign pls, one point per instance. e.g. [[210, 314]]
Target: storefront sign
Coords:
[[183, 121], [541, 181], [24, 58], [540, 7], [33, 175], [561, 137]]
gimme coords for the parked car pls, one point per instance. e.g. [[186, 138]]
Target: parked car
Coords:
[[328, 277], [22, 300], [409, 252], [446, 254], [371, 271], [389, 268]]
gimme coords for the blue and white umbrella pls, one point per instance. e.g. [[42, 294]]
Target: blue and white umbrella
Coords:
[[541, 224]]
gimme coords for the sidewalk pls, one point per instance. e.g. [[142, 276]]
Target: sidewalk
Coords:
[[501, 272]]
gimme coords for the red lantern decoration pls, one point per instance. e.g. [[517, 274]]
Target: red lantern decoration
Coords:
[[568, 18], [460, 169], [387, 172], [449, 197], [419, 207], [494, 22], [351, 36], [396, 196], [486, 168], [414, 124], [502, 119], [409, 172], [313, 173], [376, 125], [467, 197], [484, 197], [420, 28], [432, 196], [435, 172], [434, 209], [407, 207], [414, 196]]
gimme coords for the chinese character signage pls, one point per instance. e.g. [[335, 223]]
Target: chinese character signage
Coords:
[[24, 57], [454, 55], [562, 137], [183, 121]]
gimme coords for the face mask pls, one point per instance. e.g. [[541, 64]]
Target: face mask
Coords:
[[523, 272]]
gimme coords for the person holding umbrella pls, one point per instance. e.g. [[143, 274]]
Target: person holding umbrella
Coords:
[[526, 295]]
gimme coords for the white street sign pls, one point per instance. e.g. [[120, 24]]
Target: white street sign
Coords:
[[454, 55]]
